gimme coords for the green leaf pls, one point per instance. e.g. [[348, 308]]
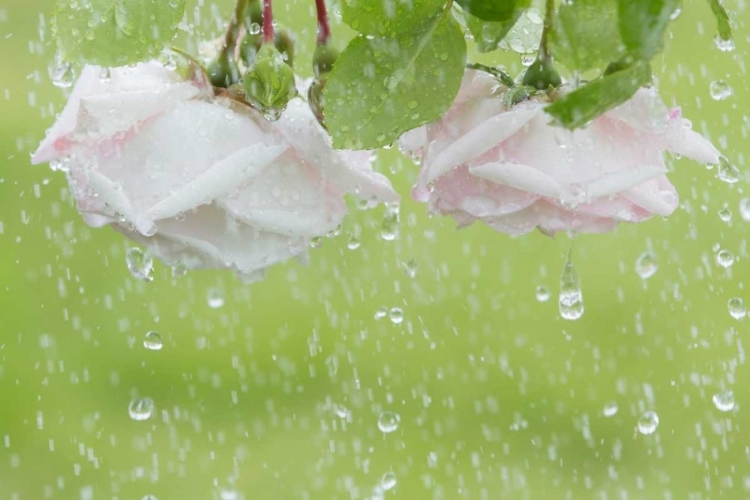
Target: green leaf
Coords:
[[381, 87], [115, 32], [388, 18], [488, 34], [579, 107], [492, 10], [722, 19], [586, 34], [643, 23]]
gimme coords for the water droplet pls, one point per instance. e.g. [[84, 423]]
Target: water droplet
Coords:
[[648, 423], [381, 313], [63, 76], [610, 409], [149, 497], [725, 258], [745, 209], [215, 298], [389, 227], [153, 341], [396, 314], [316, 242], [410, 268], [542, 293], [353, 243], [140, 264], [724, 401], [727, 172], [388, 422], [736, 307], [105, 74], [388, 481], [179, 270], [254, 28], [571, 298], [646, 265], [341, 411], [724, 45], [528, 59], [720, 90], [725, 214], [141, 408]]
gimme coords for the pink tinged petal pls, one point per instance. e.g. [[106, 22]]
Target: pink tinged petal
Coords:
[[518, 176], [216, 181], [645, 111], [290, 198], [352, 172], [658, 197], [479, 140], [624, 179], [112, 194], [684, 141]]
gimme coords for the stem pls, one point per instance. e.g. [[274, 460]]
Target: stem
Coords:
[[549, 17], [324, 30], [233, 30], [268, 36]]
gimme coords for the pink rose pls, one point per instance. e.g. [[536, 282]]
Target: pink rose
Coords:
[[515, 172], [203, 181]]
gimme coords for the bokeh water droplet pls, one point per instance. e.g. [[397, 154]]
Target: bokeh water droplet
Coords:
[[727, 172], [725, 258], [725, 215], [63, 75], [396, 314], [571, 297], [720, 90], [388, 481], [215, 298], [341, 411], [141, 408], [724, 45], [353, 243], [736, 307], [542, 293], [388, 422], [646, 265], [153, 341], [410, 268], [648, 423], [610, 409], [179, 270], [389, 227], [724, 401], [140, 264], [745, 209]]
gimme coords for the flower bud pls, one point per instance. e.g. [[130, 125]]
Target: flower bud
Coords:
[[269, 83], [323, 58], [249, 48], [315, 99], [223, 71], [542, 75], [285, 45]]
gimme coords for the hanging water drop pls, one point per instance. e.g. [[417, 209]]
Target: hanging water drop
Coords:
[[724, 45], [153, 341], [141, 408], [571, 297], [388, 422], [63, 76], [727, 172], [389, 227], [140, 264], [724, 401], [648, 423], [646, 265]]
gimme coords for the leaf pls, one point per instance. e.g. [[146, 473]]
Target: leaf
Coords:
[[388, 18], [115, 32], [488, 34], [586, 34], [381, 87], [492, 10], [643, 23], [579, 107], [722, 19]]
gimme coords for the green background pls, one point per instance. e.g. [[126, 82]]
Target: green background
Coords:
[[498, 396]]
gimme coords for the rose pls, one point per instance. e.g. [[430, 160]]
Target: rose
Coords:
[[204, 181], [513, 170]]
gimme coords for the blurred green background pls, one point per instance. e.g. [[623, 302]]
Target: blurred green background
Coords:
[[277, 393]]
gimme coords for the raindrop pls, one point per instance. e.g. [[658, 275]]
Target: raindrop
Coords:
[[542, 293], [149, 497], [396, 314], [153, 341], [353, 243], [724, 401], [725, 215], [341, 411], [63, 75], [141, 408], [648, 423], [389, 227], [571, 298], [104, 75], [724, 45], [179, 270], [381, 313], [316, 242], [388, 422], [720, 90], [215, 298], [646, 265], [745, 209], [140, 264], [725, 258], [736, 307], [727, 172], [410, 268], [610, 409], [388, 481]]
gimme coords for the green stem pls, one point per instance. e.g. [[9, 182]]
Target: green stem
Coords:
[[549, 20], [233, 30], [542, 74]]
